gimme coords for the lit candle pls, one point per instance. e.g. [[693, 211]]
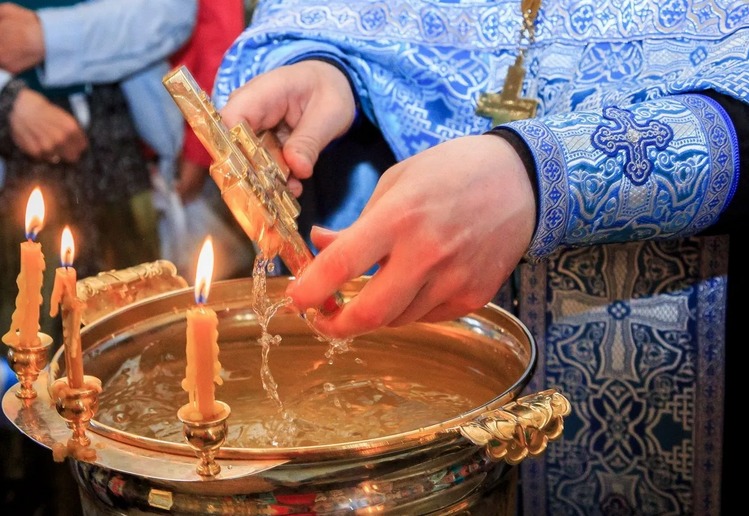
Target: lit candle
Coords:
[[24, 325], [203, 368], [64, 295]]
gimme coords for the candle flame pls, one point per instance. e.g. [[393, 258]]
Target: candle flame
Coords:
[[204, 272], [67, 248], [34, 214]]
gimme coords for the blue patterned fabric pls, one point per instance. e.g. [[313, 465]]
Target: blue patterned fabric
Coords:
[[419, 66], [632, 162], [633, 335], [660, 169]]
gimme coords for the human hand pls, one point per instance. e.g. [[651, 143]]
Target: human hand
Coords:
[[311, 101], [45, 131], [21, 38], [446, 226], [191, 180]]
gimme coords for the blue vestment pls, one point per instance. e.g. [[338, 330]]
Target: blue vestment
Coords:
[[634, 158]]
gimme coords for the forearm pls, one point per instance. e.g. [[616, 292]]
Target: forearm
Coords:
[[106, 40], [659, 169]]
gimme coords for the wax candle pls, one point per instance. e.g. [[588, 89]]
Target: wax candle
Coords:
[[64, 295], [24, 325], [203, 368]]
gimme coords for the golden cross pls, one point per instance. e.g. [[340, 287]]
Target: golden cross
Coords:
[[508, 105]]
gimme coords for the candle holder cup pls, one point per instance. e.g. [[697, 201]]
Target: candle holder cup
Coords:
[[27, 362], [206, 437], [77, 406]]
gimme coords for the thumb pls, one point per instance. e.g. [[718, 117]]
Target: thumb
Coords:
[[327, 114], [322, 237], [320, 124], [301, 151]]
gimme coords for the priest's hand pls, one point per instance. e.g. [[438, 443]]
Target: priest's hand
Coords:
[[21, 38], [446, 226], [45, 131], [309, 104]]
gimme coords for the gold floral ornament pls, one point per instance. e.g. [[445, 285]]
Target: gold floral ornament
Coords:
[[110, 290], [521, 428]]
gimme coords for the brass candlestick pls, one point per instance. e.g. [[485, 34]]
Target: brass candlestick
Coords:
[[77, 406], [27, 362], [206, 437]]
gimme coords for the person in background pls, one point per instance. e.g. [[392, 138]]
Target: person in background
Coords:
[[191, 206], [601, 215], [218, 25], [72, 74]]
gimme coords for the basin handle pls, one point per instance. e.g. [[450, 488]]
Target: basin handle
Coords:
[[521, 428], [110, 290]]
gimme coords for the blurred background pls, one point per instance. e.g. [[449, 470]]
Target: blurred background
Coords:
[[31, 482]]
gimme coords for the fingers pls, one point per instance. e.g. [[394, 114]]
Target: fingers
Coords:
[[295, 186], [373, 307], [312, 98], [74, 145], [66, 145], [396, 294], [257, 103], [191, 180], [340, 260], [322, 237], [57, 148], [324, 120], [393, 297], [45, 131], [450, 292]]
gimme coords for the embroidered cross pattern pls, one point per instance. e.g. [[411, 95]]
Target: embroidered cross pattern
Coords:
[[614, 318], [634, 139]]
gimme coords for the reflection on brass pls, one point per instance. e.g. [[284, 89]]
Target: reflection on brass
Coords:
[[522, 428], [251, 175], [77, 406], [160, 499], [384, 385], [411, 464], [108, 291], [206, 437], [27, 362]]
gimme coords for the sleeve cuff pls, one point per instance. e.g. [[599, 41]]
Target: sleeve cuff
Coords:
[[63, 41], [660, 169]]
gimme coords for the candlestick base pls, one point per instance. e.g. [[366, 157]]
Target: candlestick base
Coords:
[[28, 362], [206, 437], [77, 406]]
